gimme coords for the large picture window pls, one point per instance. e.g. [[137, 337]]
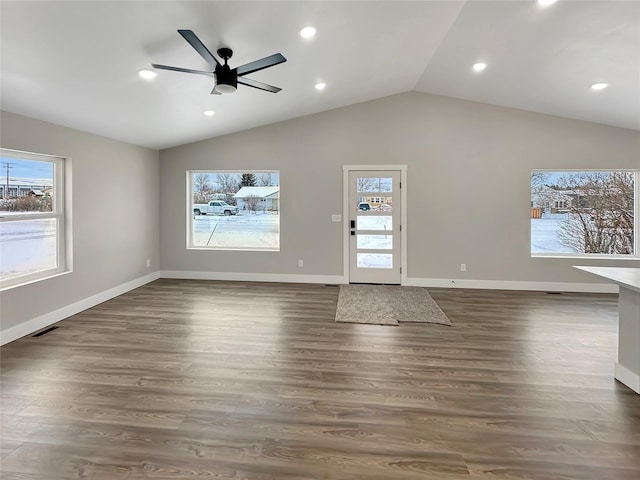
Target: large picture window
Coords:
[[233, 210], [584, 213], [32, 217]]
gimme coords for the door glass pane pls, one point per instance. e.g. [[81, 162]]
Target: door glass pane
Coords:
[[375, 260], [27, 247], [377, 222], [381, 242], [385, 184], [374, 185]]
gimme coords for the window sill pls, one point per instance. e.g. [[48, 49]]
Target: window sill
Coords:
[[4, 288], [232, 249], [586, 256]]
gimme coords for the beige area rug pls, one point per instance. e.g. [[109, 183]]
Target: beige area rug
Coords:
[[387, 305]]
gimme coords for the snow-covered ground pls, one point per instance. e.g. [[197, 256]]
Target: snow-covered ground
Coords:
[[544, 234], [375, 260], [379, 223], [375, 222], [27, 247], [258, 230]]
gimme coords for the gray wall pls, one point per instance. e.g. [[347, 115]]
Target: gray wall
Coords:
[[469, 170], [115, 216], [468, 193]]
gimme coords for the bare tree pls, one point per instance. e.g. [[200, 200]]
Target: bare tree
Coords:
[[364, 184], [265, 180], [201, 188], [601, 215], [229, 184], [252, 203], [538, 179]]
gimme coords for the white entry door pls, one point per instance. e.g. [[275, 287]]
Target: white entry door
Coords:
[[374, 226]]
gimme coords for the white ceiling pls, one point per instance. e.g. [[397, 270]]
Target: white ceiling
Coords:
[[76, 63]]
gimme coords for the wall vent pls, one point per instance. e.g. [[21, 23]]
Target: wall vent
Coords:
[[42, 332]]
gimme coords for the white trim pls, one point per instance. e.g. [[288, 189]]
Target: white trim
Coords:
[[38, 323], [403, 215], [588, 256], [60, 213], [34, 280], [404, 224], [413, 282], [512, 285], [626, 376], [253, 277]]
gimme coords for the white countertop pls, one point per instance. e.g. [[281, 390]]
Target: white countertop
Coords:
[[624, 276]]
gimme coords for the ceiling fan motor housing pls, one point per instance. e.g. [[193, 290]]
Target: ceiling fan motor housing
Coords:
[[226, 79]]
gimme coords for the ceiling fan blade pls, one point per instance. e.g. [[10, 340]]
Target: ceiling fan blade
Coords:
[[261, 64], [262, 86], [185, 70], [199, 47]]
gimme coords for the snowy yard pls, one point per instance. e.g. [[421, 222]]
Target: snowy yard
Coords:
[[258, 230], [544, 234], [27, 247]]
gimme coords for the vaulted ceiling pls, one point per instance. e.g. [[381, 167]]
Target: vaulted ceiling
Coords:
[[76, 63]]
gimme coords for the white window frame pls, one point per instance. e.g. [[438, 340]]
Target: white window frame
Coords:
[[59, 212], [636, 220], [190, 216]]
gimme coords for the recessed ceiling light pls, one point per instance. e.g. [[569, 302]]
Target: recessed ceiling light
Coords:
[[478, 67], [307, 32], [209, 113], [147, 74], [599, 86], [546, 3], [320, 86]]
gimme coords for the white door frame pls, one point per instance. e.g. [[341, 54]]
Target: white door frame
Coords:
[[403, 215]]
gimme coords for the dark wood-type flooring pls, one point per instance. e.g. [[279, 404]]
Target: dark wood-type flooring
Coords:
[[234, 380]]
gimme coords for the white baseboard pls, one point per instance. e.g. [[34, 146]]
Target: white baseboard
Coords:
[[512, 285], [410, 282], [626, 376], [253, 277], [38, 323]]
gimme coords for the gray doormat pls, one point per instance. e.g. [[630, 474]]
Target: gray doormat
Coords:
[[387, 305]]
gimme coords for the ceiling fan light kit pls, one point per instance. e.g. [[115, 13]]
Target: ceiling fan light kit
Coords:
[[226, 78]]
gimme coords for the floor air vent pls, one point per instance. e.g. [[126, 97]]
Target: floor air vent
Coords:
[[42, 332]]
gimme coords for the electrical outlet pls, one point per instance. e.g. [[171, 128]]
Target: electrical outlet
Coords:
[[148, 263], [300, 263], [463, 267]]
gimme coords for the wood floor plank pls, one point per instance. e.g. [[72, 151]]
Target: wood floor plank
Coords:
[[238, 380]]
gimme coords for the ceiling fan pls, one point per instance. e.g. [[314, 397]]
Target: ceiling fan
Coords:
[[227, 78]]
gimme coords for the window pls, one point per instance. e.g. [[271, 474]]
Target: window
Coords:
[[32, 217], [584, 213], [233, 210]]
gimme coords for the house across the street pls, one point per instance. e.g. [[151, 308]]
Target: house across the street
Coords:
[[259, 198]]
